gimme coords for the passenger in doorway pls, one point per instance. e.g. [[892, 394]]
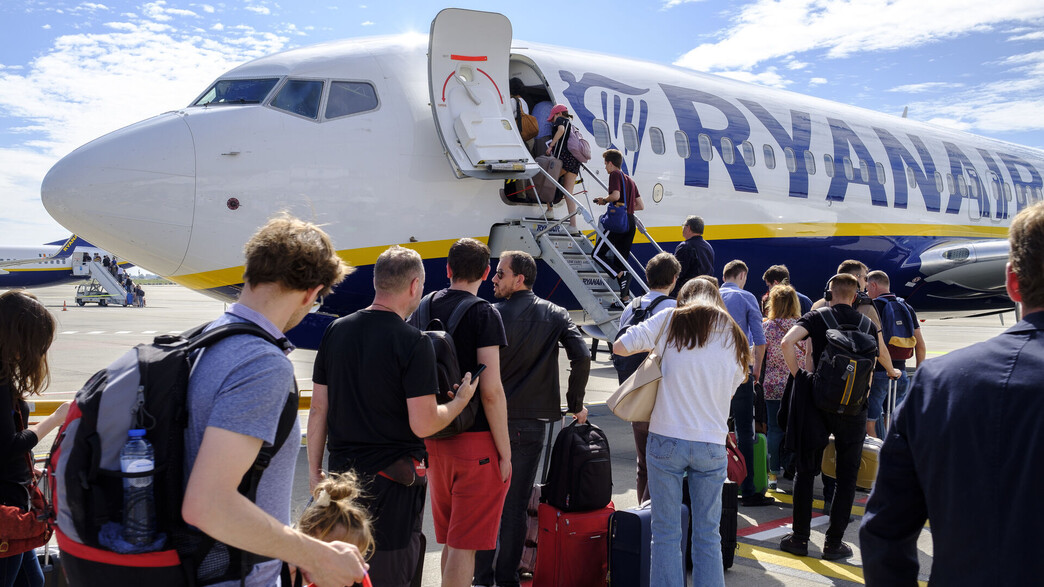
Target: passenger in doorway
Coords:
[[622, 192], [519, 105], [542, 112], [743, 307], [86, 257], [705, 357], [695, 254], [783, 313], [902, 335], [97, 258], [780, 275], [977, 410], [561, 125]]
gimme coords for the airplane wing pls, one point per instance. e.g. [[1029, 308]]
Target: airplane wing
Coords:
[[66, 250], [976, 265]]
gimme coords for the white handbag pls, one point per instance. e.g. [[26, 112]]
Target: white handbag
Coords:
[[635, 399]]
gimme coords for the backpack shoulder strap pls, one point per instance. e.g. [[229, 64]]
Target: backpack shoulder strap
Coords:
[[657, 302], [828, 316], [458, 313], [422, 315], [864, 324], [198, 339]]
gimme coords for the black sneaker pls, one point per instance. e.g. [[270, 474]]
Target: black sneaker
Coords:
[[795, 545], [833, 552], [758, 500]]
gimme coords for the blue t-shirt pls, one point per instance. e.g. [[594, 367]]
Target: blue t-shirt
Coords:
[[241, 384]]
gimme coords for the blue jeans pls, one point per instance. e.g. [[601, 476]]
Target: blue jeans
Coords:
[[878, 400], [500, 566], [775, 436], [743, 418], [21, 570], [668, 460]]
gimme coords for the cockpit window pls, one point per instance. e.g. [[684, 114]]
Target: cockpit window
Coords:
[[350, 98], [237, 91], [300, 97]]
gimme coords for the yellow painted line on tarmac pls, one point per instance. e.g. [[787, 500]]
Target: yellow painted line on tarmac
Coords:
[[817, 504], [772, 556]]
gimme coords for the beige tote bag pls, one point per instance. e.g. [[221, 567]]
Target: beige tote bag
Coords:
[[634, 400]]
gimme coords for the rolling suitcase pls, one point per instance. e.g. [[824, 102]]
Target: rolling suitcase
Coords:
[[729, 523], [760, 463], [867, 463], [573, 547], [545, 188], [630, 541], [527, 564]]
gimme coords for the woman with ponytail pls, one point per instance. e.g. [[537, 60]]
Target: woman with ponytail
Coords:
[[705, 357]]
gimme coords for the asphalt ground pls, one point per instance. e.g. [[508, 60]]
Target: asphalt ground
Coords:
[[91, 337]]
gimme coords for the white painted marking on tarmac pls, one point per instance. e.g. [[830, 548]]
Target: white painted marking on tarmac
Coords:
[[96, 332], [70, 332], [148, 332], [123, 332], [784, 529], [173, 332]]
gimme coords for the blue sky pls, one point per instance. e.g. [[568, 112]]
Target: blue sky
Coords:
[[71, 71]]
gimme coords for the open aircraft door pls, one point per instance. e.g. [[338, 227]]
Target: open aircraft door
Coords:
[[468, 55]]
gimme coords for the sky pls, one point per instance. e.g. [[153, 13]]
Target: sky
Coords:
[[72, 71]]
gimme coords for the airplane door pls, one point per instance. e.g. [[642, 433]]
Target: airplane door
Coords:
[[468, 56]]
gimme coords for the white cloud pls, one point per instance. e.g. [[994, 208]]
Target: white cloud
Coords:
[[817, 81], [23, 219], [672, 3], [769, 29], [158, 11], [258, 8], [795, 64], [925, 87], [46, 27], [217, 27], [367, 23], [207, 8], [1034, 36], [92, 6], [769, 77]]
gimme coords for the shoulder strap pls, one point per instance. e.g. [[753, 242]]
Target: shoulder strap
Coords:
[[198, 339], [657, 302], [864, 324], [828, 316], [458, 313], [422, 315], [623, 188]]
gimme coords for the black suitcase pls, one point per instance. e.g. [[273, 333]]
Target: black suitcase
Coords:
[[630, 539], [728, 527], [729, 523]]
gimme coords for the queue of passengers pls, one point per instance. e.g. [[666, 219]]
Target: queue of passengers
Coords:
[[374, 407]]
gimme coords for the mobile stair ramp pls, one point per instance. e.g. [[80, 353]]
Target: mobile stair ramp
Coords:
[[106, 282], [570, 254]]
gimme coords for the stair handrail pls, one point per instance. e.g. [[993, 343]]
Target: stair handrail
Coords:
[[586, 214], [638, 223]]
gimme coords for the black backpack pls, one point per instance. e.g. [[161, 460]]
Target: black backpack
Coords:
[[626, 366], [580, 477], [146, 388], [841, 382], [446, 363]]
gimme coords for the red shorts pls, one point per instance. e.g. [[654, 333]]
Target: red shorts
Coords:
[[467, 495]]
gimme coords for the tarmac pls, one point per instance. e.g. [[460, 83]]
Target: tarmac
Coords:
[[91, 337]]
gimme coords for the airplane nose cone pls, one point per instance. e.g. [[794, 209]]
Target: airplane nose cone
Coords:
[[131, 192]]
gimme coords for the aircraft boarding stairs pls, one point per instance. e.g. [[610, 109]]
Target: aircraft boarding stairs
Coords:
[[571, 254], [105, 281]]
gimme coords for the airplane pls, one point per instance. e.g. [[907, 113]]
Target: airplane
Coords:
[[408, 140], [48, 264]]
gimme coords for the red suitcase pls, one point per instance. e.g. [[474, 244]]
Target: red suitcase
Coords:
[[573, 547]]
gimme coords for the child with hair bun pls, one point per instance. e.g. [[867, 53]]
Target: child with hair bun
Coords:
[[334, 514]]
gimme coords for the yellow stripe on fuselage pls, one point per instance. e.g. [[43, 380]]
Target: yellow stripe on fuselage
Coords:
[[435, 249]]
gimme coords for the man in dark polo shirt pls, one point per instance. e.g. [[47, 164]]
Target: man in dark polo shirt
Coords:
[[695, 254]]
